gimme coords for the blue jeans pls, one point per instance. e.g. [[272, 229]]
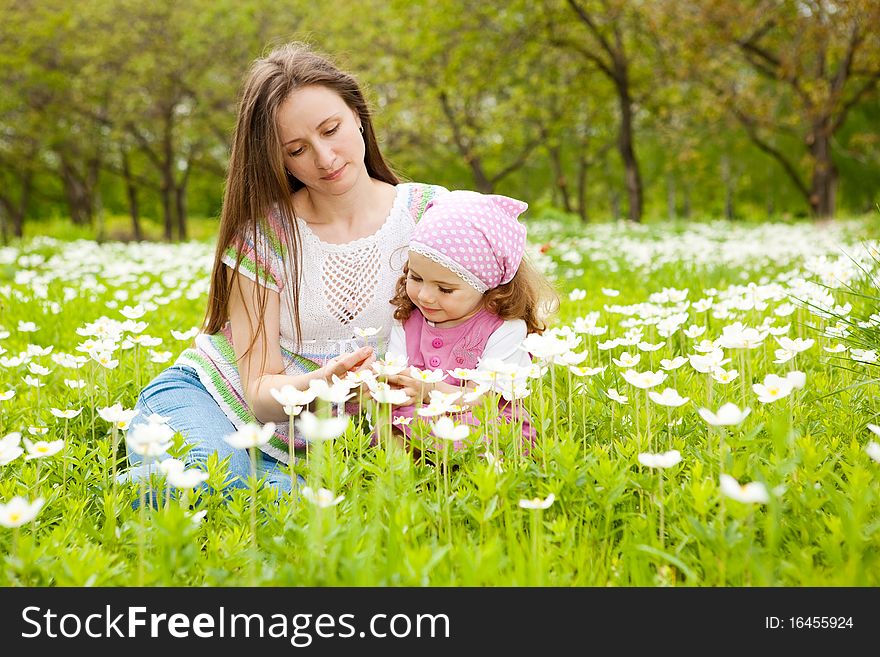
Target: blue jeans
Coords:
[[178, 394]]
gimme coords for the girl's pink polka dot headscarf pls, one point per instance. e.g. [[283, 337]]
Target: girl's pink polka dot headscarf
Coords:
[[477, 236]]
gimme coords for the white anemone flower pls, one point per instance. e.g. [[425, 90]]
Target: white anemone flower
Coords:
[[42, 448], [290, 396], [322, 498], [616, 396], [873, 450], [647, 346], [627, 360], [797, 379], [180, 478], [68, 414], [337, 392], [836, 349], [366, 332], [10, 448], [724, 376], [669, 397], [728, 415], [18, 511], [670, 364], [250, 435], [644, 380], [427, 376], [774, 387], [863, 355], [662, 460], [537, 502], [446, 429], [693, 331], [185, 335], [797, 344], [117, 415], [39, 370], [149, 439], [783, 356], [385, 394], [752, 493], [314, 428], [9, 394], [390, 365]]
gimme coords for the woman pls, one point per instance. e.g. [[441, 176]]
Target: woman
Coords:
[[312, 240]]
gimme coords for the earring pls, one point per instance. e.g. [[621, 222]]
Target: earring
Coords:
[[361, 128]]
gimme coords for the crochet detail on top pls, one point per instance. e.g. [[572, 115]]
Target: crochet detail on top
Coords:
[[349, 282]]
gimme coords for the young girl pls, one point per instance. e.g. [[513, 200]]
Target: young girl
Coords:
[[466, 296]]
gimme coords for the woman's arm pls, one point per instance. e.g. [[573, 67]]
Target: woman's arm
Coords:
[[262, 368]]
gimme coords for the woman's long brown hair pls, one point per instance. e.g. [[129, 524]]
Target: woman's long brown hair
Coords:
[[257, 181]]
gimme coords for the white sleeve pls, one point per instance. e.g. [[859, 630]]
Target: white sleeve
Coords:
[[397, 340], [505, 341]]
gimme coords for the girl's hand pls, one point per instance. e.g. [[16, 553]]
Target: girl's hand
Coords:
[[345, 363], [414, 388]]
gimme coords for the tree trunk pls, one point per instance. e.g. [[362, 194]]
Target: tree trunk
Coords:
[[632, 175], [615, 204], [133, 202], [78, 193], [671, 209], [180, 196], [481, 181], [729, 188], [583, 166], [823, 187], [561, 182]]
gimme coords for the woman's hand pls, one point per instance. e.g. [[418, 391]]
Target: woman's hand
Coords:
[[345, 363]]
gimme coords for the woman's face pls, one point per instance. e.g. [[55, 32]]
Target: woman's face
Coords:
[[321, 140]]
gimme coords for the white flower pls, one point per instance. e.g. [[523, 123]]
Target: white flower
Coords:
[[753, 492], [627, 360], [69, 414], [446, 429], [149, 439], [647, 346], [693, 331], [495, 462], [104, 359], [873, 450], [34, 368], [427, 376], [796, 379], [117, 416], [773, 388], [38, 431], [616, 396], [836, 349], [385, 394], [19, 511], [314, 428], [287, 395], [874, 428], [728, 415], [708, 362], [199, 516], [609, 292], [180, 478], [10, 448], [42, 448], [662, 460], [160, 356], [647, 379], [250, 435], [724, 376], [135, 312], [783, 356], [75, 384], [674, 363], [9, 394], [33, 381], [366, 332], [27, 327], [390, 365], [185, 335], [537, 502], [669, 397], [863, 355], [587, 371], [796, 345], [323, 498], [337, 392], [577, 295]]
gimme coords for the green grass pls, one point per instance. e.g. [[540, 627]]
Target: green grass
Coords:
[[396, 525]]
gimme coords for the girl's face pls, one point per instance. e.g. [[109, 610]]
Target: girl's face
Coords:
[[321, 140], [440, 295]]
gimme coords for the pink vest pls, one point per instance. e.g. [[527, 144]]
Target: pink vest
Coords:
[[431, 348]]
